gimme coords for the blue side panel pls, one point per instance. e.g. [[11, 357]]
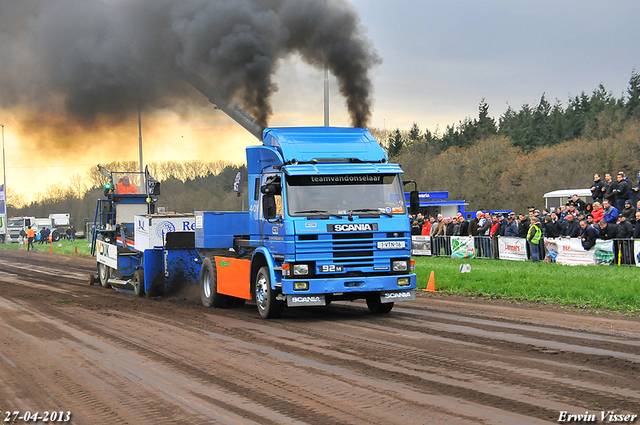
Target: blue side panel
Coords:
[[127, 264], [182, 269], [259, 157], [216, 229], [153, 269]]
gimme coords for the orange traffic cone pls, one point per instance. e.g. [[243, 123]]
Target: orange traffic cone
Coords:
[[50, 248], [431, 286], [76, 251]]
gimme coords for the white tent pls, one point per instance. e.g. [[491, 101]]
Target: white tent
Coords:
[[560, 197]]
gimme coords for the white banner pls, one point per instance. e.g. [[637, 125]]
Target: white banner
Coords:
[[512, 248], [571, 252], [420, 245], [636, 249], [462, 247], [152, 231], [107, 254]]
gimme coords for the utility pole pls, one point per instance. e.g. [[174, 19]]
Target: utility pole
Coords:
[[4, 182], [326, 96], [140, 136]]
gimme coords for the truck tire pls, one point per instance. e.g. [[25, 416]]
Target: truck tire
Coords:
[[376, 306], [138, 282], [55, 236], [209, 285], [268, 306], [104, 273], [2, 237]]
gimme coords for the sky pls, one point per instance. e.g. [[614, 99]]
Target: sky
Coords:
[[437, 61]]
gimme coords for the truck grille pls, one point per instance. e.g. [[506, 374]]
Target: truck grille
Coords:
[[355, 251]]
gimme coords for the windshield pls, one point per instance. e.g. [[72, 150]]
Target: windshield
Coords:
[[345, 194], [130, 183], [15, 222]]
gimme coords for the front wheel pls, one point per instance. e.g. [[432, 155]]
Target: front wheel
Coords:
[[138, 283], [376, 306], [104, 273], [55, 236], [268, 306]]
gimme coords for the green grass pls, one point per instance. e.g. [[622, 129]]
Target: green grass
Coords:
[[605, 287], [63, 246]]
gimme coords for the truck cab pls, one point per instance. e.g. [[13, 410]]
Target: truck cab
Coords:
[[328, 219], [16, 224]]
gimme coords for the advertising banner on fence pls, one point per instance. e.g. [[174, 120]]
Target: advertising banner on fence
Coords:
[[571, 252], [512, 249], [636, 249], [420, 245], [461, 247]]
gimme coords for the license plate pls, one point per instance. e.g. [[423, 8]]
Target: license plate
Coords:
[[305, 300], [331, 268], [391, 245], [390, 297]]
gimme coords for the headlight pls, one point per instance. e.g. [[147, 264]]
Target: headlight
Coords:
[[400, 266], [300, 286], [300, 269]]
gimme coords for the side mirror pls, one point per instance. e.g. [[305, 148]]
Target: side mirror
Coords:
[[270, 189], [414, 202], [269, 206], [414, 199]]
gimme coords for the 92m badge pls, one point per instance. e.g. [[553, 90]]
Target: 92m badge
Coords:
[[331, 268]]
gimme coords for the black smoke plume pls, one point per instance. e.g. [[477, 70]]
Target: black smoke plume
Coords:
[[96, 59]]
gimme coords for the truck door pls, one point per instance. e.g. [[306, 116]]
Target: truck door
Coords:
[[271, 219]]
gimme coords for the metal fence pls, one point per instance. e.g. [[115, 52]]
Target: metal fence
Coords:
[[486, 247]]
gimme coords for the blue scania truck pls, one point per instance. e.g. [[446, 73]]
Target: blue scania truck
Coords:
[[327, 221]]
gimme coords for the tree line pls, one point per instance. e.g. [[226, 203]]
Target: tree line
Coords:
[[185, 187], [505, 164], [511, 163]]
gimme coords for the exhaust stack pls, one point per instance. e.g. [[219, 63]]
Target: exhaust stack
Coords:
[[226, 105]]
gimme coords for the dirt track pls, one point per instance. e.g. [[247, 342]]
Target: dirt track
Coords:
[[113, 358]]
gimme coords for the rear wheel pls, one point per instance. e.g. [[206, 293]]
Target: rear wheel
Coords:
[[104, 273], [268, 306], [376, 306], [209, 285], [138, 282], [55, 236]]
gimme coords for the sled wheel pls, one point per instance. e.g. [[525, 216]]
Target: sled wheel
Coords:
[[138, 282], [104, 273]]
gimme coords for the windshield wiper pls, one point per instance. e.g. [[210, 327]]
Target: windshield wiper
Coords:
[[322, 213], [311, 212], [374, 210]]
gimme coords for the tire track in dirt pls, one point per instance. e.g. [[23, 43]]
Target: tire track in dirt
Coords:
[[167, 360]]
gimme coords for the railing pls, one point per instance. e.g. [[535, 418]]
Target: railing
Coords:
[[623, 252]]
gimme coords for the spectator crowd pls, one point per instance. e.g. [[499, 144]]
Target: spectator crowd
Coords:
[[613, 214]]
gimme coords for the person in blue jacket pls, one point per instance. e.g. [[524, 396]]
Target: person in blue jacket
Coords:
[[610, 212]]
